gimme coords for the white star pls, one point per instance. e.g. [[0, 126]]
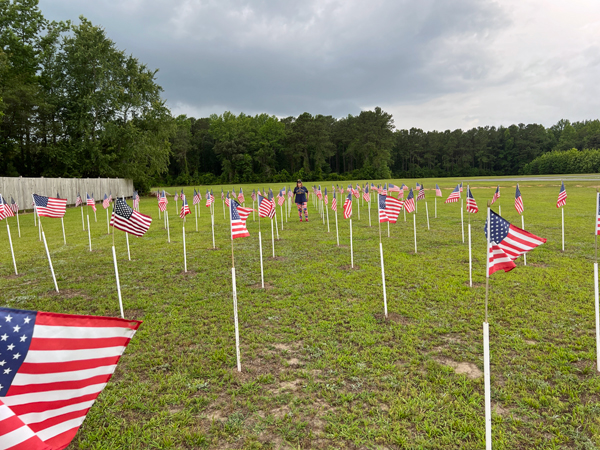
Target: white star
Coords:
[[16, 328], [23, 338], [1, 387], [7, 371], [11, 346], [4, 337], [16, 356], [8, 318], [27, 319], [2, 362]]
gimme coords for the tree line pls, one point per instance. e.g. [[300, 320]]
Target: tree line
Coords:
[[73, 105]]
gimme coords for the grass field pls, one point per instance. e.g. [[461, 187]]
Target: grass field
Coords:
[[321, 368]]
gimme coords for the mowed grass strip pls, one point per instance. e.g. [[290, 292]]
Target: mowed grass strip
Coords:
[[321, 367]]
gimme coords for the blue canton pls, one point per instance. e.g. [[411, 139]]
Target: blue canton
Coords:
[[40, 201], [16, 330], [500, 228], [382, 202]]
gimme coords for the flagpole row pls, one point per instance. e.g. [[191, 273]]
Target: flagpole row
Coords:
[[49, 260], [89, 233], [12, 252], [118, 281]]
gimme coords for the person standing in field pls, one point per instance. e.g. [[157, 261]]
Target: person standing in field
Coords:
[[300, 192]]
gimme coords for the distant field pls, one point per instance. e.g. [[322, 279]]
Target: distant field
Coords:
[[321, 368]]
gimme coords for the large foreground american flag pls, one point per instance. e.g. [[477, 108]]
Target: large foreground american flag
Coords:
[[124, 218], [507, 243], [54, 366], [50, 207], [238, 224]]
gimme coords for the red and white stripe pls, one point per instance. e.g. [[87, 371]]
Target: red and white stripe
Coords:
[[265, 208], [70, 360], [393, 207], [56, 208], [499, 260], [334, 204], [519, 204], [244, 212], [347, 208], [137, 224]]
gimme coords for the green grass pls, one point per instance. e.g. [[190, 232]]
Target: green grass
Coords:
[[321, 368]]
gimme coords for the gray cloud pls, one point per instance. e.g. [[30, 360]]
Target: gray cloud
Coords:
[[432, 63]]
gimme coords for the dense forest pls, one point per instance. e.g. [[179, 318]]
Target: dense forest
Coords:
[[73, 105]]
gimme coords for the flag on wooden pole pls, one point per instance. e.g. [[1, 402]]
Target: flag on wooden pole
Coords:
[[454, 195], [519, 200]]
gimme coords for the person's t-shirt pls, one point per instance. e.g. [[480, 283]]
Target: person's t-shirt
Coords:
[[300, 193]]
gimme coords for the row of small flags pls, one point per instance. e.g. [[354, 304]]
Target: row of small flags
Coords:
[[506, 243]]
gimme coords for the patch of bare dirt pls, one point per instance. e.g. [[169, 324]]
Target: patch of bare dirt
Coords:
[[268, 286], [468, 369], [294, 362], [529, 342], [288, 386], [393, 317], [12, 276], [500, 410]]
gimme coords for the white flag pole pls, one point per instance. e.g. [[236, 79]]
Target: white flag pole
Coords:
[[62, 221], [118, 282], [35, 213], [159, 213], [281, 211], [82, 219], [262, 276], [382, 266], [596, 302], [18, 224], [415, 228], [184, 252], [388, 225], [462, 222], [95, 217], [499, 210], [276, 226], [427, 211], [563, 227], [212, 222], [49, 260], [486, 343], [470, 258], [128, 252], [253, 218], [107, 224], [351, 248], [337, 234], [327, 212], [273, 237], [223, 201], [12, 252], [358, 203], [89, 233], [168, 230], [197, 209], [523, 227], [404, 214], [369, 206], [235, 306]]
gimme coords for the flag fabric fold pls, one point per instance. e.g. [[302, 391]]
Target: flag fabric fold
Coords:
[[471, 204], [519, 201], [454, 195], [126, 219], [562, 196], [50, 207]]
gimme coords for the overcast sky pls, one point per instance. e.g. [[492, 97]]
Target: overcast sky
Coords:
[[433, 64]]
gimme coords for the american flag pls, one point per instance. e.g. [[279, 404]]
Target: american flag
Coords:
[[471, 204], [5, 210], [110, 199], [78, 200], [348, 207], [409, 203], [162, 201], [418, 188], [105, 202], [253, 195], [562, 196], [238, 225], [290, 193], [421, 194], [597, 214], [461, 186], [356, 192], [222, 195], [403, 187], [90, 201], [496, 195], [438, 191], [393, 207], [518, 201], [14, 206], [393, 188], [280, 198], [334, 203], [366, 195], [54, 368], [197, 197], [325, 198], [319, 193], [384, 189], [342, 190], [454, 195], [185, 209], [507, 243], [241, 198], [124, 218], [176, 196], [265, 207], [50, 207], [136, 200], [271, 198], [227, 202], [209, 199]]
